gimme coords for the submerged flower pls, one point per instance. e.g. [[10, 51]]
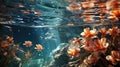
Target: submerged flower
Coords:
[[96, 45], [28, 43], [28, 54], [91, 59], [77, 41], [114, 31], [38, 47], [10, 39], [103, 31], [101, 45], [88, 33], [116, 55], [4, 44], [73, 52], [111, 59]]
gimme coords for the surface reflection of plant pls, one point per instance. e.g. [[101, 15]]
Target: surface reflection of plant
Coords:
[[9, 52]]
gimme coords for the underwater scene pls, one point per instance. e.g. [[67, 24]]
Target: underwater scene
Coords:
[[59, 33]]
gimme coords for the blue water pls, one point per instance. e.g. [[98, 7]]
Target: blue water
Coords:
[[48, 37], [49, 29]]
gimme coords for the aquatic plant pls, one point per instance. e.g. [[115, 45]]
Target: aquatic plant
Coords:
[[9, 52], [102, 43]]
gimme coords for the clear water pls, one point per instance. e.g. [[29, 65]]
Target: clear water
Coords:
[[49, 29], [49, 37]]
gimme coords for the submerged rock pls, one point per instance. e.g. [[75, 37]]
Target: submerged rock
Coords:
[[62, 59], [60, 56]]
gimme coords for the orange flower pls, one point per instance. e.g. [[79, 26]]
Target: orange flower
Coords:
[[4, 44], [38, 47], [88, 33], [89, 48], [100, 45], [10, 39], [116, 55], [96, 45], [116, 13], [28, 43], [103, 31], [77, 40], [111, 59], [73, 52], [91, 59], [114, 31]]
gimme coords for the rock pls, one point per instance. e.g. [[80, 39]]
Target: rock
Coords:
[[60, 56]]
